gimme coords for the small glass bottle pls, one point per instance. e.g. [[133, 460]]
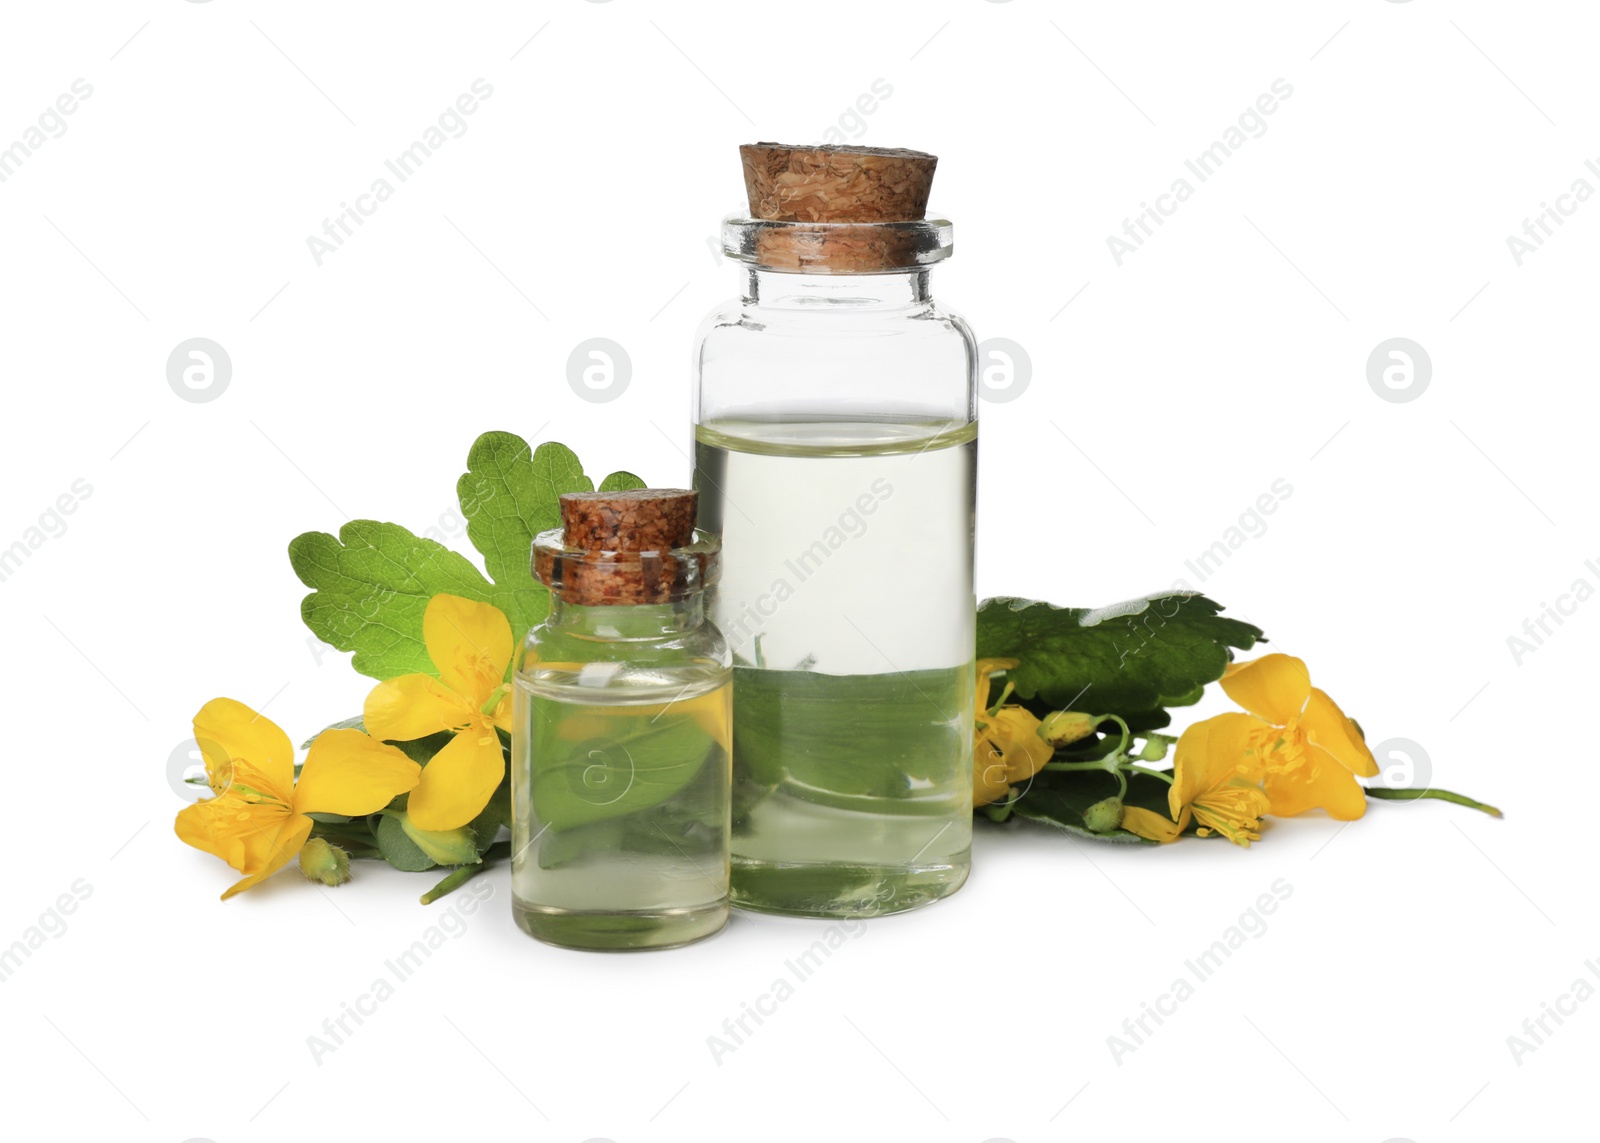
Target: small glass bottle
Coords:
[[836, 457], [620, 739]]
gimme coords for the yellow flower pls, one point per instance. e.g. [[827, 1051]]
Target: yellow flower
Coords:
[[1149, 824], [1299, 744], [1209, 786], [1006, 745], [257, 821], [470, 645]]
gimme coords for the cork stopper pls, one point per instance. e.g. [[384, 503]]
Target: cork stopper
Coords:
[[630, 547], [837, 184], [641, 520], [857, 209]]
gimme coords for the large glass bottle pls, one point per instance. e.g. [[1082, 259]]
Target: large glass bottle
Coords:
[[620, 731], [836, 456]]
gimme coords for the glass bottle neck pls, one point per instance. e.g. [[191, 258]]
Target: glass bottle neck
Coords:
[[627, 620], [779, 289]]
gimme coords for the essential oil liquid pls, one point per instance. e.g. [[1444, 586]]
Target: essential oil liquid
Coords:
[[847, 598], [621, 808]]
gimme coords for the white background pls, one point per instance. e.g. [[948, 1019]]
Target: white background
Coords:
[[1230, 351]]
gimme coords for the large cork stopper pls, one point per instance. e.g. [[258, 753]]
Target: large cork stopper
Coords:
[[622, 547], [642, 520], [859, 185], [837, 184]]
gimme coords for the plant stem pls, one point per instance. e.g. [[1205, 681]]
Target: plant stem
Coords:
[[1164, 775], [463, 873], [1387, 794]]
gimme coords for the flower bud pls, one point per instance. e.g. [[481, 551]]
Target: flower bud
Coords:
[[457, 846], [321, 860], [1104, 816], [1155, 747], [1065, 727]]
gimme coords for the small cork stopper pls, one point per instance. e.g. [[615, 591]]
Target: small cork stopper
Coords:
[[837, 184], [640, 520], [860, 185], [619, 546]]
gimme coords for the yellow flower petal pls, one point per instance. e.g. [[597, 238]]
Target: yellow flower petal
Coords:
[[413, 706], [1149, 824], [1328, 727], [985, 668], [1320, 782], [1209, 754], [348, 772], [255, 838], [1273, 688], [989, 782], [1016, 732], [274, 852], [469, 643], [229, 732], [458, 781]]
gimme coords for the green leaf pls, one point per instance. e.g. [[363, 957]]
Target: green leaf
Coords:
[[371, 585], [422, 750], [640, 764], [486, 826], [1061, 799], [827, 737], [1132, 659], [621, 482], [397, 847], [508, 495]]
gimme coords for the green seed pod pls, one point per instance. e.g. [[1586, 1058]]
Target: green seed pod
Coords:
[[1065, 727], [322, 861], [1104, 816]]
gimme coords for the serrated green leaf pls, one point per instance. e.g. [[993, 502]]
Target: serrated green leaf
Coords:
[[621, 482], [508, 495], [1061, 799], [1132, 659], [371, 586], [371, 583]]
